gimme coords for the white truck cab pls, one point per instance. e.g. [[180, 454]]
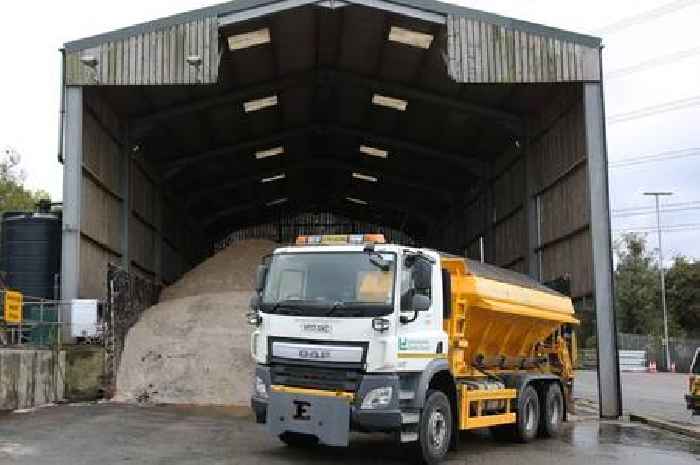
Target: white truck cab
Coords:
[[345, 331]]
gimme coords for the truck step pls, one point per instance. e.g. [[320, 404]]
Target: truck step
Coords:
[[409, 417], [409, 436], [406, 395]]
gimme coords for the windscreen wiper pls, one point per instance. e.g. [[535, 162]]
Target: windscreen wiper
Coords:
[[336, 305], [283, 304]]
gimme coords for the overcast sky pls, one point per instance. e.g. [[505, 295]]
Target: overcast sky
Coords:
[[651, 58]]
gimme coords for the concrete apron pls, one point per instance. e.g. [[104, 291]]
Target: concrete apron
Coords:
[[30, 377]]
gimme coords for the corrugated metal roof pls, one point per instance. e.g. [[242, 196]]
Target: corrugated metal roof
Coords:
[[480, 51], [482, 47], [157, 56], [241, 5]]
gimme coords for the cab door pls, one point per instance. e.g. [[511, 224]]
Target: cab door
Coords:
[[420, 336]]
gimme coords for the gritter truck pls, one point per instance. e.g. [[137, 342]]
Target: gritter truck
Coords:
[[353, 334]]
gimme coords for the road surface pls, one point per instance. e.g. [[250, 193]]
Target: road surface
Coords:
[[115, 433], [654, 394]]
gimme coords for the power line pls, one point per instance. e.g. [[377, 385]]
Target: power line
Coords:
[[652, 63], [655, 109], [644, 17], [661, 156], [648, 207], [666, 210], [668, 228]]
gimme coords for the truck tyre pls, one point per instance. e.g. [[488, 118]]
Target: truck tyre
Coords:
[[298, 440], [434, 429], [552, 412], [528, 417], [526, 425]]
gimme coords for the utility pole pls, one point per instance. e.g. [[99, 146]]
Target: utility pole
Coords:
[[662, 274]]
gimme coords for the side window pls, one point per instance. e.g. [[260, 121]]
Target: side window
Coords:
[[446, 294], [408, 289]]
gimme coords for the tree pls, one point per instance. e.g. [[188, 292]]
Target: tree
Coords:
[[683, 295], [636, 282], [13, 195]]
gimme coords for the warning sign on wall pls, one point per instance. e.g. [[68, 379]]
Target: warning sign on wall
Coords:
[[12, 307]]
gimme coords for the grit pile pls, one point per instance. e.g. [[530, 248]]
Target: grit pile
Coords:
[[193, 346]]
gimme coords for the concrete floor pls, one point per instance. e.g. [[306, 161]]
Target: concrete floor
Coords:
[[116, 433], [655, 394]]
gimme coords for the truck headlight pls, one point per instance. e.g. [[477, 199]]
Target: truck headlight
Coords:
[[377, 398], [260, 388]]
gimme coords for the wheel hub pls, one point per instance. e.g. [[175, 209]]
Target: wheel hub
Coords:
[[554, 408], [530, 412], [437, 429]]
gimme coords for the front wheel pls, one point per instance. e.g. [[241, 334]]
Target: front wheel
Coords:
[[435, 428]]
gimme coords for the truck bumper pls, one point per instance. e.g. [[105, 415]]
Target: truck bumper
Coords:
[[329, 418], [693, 402]]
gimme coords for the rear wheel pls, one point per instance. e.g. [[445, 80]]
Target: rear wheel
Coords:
[[435, 429], [298, 440], [552, 412], [528, 415], [527, 420]]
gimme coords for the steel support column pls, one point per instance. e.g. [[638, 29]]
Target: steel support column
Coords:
[[532, 220], [126, 204], [609, 391], [72, 183]]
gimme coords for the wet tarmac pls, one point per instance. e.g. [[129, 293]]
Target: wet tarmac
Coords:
[[659, 395], [112, 433]]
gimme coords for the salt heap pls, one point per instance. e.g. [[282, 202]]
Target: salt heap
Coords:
[[193, 346]]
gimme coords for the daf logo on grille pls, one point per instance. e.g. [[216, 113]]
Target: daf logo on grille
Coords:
[[314, 354]]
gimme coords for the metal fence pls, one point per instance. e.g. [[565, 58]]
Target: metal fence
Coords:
[[51, 323], [41, 324], [128, 296], [639, 350], [682, 349]]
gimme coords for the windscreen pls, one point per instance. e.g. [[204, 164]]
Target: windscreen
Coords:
[[330, 283]]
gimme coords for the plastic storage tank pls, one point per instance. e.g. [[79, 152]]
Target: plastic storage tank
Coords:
[[30, 256], [30, 252]]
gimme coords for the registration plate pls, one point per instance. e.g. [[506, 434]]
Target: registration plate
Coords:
[[302, 410]]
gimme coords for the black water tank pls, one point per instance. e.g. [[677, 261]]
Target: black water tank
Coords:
[[30, 252]]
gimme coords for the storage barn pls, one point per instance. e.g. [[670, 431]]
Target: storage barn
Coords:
[[436, 124]]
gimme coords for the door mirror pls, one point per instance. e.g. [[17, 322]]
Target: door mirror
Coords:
[[421, 303], [255, 302], [421, 273], [260, 278]]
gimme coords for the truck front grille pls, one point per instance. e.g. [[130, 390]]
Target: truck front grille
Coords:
[[335, 379]]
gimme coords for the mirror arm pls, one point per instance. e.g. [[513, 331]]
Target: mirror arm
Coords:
[[405, 320]]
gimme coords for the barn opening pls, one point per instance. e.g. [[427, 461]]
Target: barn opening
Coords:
[[434, 124]]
